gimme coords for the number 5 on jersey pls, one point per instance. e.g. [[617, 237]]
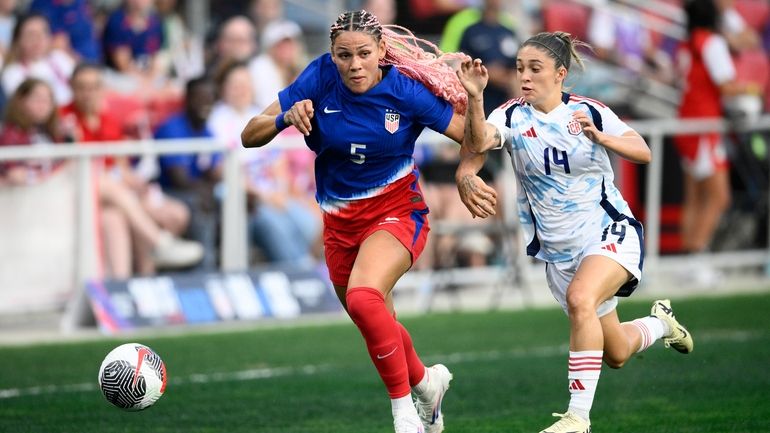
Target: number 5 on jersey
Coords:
[[357, 157], [562, 160]]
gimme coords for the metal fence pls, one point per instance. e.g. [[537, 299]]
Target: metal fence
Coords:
[[234, 247]]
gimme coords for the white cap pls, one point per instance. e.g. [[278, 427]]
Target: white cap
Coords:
[[276, 31]]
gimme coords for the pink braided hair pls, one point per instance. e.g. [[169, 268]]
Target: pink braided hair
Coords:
[[430, 66]]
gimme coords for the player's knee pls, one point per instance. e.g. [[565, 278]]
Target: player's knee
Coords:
[[613, 361], [580, 303], [361, 300]]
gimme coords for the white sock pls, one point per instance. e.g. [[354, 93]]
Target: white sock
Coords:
[[421, 387], [403, 406], [652, 329], [584, 369]]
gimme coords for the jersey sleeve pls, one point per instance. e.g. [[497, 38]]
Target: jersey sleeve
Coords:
[[611, 123], [307, 85], [429, 109], [716, 56], [499, 119]]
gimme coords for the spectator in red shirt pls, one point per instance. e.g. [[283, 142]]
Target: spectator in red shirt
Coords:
[[135, 213]]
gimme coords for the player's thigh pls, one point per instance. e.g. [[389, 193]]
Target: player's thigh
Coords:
[[382, 259], [596, 280]]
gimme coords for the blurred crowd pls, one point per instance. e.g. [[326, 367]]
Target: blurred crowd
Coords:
[[80, 71]]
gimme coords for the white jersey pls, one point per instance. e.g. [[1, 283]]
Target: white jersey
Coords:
[[566, 192]]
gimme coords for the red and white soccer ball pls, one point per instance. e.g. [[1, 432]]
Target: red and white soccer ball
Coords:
[[132, 377]]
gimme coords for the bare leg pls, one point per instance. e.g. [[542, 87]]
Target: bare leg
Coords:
[[713, 195], [145, 264], [597, 280], [118, 195], [168, 212], [117, 243]]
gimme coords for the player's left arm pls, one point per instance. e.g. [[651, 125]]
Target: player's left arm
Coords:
[[630, 145]]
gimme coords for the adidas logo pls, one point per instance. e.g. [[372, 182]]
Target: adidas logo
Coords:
[[610, 247], [530, 132], [576, 385]]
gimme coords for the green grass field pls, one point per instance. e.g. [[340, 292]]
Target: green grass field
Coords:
[[509, 368]]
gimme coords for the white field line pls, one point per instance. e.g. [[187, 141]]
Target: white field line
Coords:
[[310, 370]]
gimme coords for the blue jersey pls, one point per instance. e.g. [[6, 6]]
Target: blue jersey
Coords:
[[363, 142], [566, 190]]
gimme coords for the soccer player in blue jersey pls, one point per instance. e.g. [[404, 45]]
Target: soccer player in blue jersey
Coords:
[[573, 216], [361, 108]]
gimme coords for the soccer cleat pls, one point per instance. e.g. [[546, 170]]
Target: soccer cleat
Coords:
[[569, 423], [408, 424], [679, 338], [429, 404]]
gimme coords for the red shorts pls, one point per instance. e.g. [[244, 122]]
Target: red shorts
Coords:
[[400, 210], [702, 155]]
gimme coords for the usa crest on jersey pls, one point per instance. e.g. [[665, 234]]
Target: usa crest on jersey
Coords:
[[391, 121]]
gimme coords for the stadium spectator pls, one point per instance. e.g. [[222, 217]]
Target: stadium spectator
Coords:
[[487, 33], [623, 40], [181, 49], [281, 60], [468, 247], [92, 120], [132, 39], [362, 121], [281, 225], [33, 55], [739, 35], [570, 209], [72, 25], [7, 23], [192, 177], [236, 42], [262, 12], [709, 76], [30, 119]]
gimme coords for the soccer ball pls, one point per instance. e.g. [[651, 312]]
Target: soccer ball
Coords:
[[132, 377]]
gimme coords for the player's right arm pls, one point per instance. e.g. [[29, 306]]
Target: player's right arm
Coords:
[[476, 195], [263, 127]]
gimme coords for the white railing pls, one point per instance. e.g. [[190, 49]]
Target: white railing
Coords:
[[234, 240]]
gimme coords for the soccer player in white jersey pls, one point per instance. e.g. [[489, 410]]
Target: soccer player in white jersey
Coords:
[[573, 216]]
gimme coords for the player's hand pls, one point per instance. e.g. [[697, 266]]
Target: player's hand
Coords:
[[477, 196], [473, 76], [299, 115], [587, 124]]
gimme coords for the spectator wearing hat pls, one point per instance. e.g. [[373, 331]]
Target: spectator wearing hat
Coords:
[[282, 58]]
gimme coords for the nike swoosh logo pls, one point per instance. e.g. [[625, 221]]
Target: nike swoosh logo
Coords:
[[328, 111], [141, 353], [387, 354]]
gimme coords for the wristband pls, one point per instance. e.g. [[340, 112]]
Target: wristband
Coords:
[[280, 125]]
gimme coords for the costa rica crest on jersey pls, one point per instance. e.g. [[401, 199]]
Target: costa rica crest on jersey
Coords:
[[391, 121], [574, 128]]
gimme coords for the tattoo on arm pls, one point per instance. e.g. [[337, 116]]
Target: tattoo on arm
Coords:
[[497, 137], [467, 184]]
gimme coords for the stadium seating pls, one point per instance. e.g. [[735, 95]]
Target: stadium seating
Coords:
[[566, 16], [752, 66], [755, 12]]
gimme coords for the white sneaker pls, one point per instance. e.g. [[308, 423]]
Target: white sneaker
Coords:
[[569, 423], [429, 404], [173, 252], [678, 338], [408, 424]]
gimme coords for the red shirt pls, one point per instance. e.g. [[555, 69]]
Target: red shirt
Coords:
[[109, 128], [701, 96]]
